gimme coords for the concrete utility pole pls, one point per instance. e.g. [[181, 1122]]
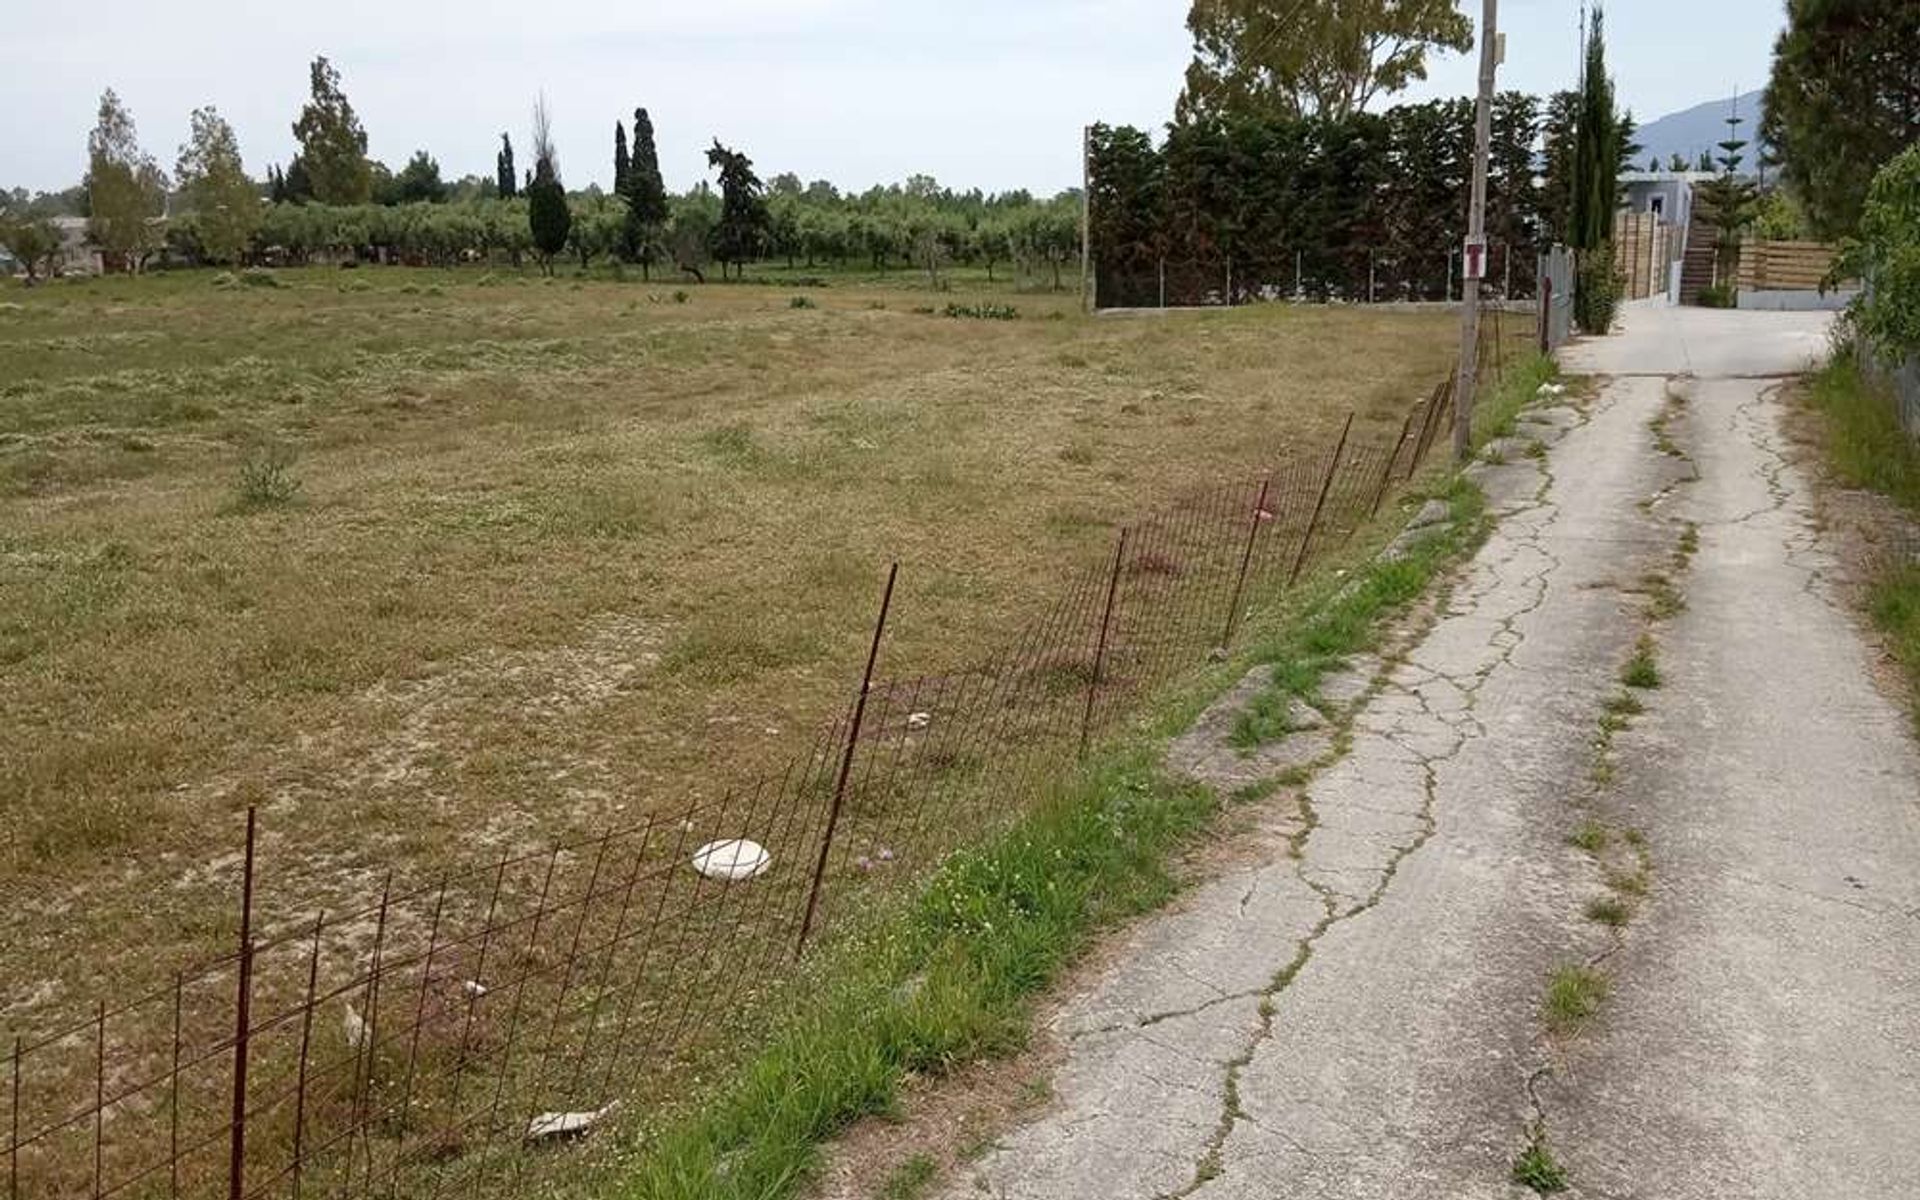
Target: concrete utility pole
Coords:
[[1473, 257]]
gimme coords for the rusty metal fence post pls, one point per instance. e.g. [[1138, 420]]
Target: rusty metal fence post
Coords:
[[1100, 650], [1320, 502], [846, 764], [1386, 472], [1442, 395], [1246, 560], [1545, 293], [237, 1141]]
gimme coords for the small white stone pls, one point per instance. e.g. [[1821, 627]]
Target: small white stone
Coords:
[[734, 858], [554, 1125], [919, 720]]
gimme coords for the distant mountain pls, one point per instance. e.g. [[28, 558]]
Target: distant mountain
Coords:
[[1701, 127]]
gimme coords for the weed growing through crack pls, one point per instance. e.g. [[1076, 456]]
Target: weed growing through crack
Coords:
[[1624, 704], [1609, 910], [1573, 996], [1642, 670], [1664, 600], [1592, 837], [1689, 542], [1537, 1170], [1631, 883]]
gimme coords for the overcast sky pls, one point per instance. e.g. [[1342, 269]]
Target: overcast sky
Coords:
[[986, 93]]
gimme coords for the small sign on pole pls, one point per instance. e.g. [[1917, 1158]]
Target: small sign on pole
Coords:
[[1473, 257]]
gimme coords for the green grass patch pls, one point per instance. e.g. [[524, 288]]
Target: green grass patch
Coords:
[[1866, 446], [1350, 621], [1643, 669], [943, 982], [1537, 1170], [1574, 994], [1894, 601], [1497, 410]]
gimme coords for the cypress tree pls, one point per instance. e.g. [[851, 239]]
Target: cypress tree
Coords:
[[646, 197], [548, 217], [619, 159], [1596, 149], [503, 169]]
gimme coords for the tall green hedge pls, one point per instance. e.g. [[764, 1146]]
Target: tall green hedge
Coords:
[[1231, 208]]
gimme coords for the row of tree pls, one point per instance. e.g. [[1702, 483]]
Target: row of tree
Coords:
[[1354, 206], [1037, 240], [332, 201]]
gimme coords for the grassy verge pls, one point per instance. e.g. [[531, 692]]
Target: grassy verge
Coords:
[[950, 977], [1496, 412], [1895, 605], [1867, 448], [1301, 651]]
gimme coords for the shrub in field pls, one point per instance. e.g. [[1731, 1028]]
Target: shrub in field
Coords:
[[681, 297], [259, 277], [266, 480], [801, 302], [984, 312]]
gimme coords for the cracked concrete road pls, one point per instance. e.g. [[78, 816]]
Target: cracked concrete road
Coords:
[[1356, 1014], [1763, 1038]]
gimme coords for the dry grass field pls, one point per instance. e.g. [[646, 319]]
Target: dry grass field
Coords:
[[431, 565]]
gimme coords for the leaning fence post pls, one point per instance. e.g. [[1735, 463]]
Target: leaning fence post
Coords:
[[306, 1045], [237, 1143], [1320, 502], [1386, 473], [99, 1093], [1442, 393], [1100, 651], [13, 1139], [1246, 560], [846, 764]]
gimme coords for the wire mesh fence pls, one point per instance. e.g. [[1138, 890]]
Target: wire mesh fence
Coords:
[[419, 1044], [1352, 275]]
